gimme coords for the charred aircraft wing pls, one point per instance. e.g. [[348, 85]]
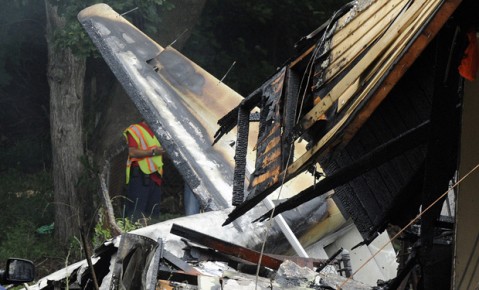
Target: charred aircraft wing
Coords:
[[179, 100]]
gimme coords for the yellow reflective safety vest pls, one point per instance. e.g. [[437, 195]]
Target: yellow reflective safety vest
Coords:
[[145, 141]]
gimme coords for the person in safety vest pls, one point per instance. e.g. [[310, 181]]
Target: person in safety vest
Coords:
[[144, 170]]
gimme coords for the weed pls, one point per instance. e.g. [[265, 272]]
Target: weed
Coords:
[[25, 200]]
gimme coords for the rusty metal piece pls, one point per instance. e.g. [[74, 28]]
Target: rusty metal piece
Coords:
[[226, 247]]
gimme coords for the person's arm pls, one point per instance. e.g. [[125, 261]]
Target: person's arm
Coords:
[[140, 153]]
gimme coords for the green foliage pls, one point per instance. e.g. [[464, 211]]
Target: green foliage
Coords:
[[46, 229], [23, 242], [126, 225], [73, 36], [26, 203], [102, 233], [25, 197]]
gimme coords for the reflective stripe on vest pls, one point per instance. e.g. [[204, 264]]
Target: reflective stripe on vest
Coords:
[[145, 141]]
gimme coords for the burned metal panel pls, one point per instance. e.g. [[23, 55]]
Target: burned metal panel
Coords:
[[179, 100], [132, 261]]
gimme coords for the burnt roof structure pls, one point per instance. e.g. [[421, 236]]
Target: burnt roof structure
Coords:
[[376, 94]]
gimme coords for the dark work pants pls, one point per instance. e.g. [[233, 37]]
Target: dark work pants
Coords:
[[143, 196]]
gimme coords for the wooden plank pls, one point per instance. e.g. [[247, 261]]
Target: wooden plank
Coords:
[[344, 54], [348, 94], [388, 58], [298, 164], [346, 28], [402, 66], [376, 50], [376, 10], [226, 247]]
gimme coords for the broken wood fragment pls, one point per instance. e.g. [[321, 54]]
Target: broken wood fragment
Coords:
[[226, 247]]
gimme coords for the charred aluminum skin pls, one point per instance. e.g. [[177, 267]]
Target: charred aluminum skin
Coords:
[[179, 100]]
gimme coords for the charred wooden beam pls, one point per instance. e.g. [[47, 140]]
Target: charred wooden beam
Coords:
[[269, 145], [230, 120], [330, 260], [240, 155], [380, 155], [226, 247], [208, 254], [290, 109]]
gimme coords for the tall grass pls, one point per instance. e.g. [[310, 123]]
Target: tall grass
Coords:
[[26, 196]]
